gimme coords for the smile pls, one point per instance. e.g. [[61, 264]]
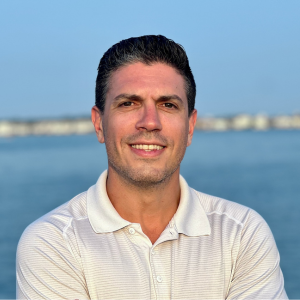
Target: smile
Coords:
[[147, 147]]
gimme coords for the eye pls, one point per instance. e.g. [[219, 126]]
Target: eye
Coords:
[[127, 103], [169, 105]]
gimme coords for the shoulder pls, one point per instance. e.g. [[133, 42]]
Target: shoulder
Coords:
[[255, 259], [48, 246], [237, 223], [240, 214], [51, 227], [247, 230]]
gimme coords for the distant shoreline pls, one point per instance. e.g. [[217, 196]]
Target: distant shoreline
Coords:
[[81, 126]]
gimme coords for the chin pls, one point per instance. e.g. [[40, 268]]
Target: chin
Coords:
[[145, 177]]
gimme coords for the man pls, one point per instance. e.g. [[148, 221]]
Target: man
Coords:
[[141, 232]]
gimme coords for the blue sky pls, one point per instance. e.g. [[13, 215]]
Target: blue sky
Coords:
[[245, 55]]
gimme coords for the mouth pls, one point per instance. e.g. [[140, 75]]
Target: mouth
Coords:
[[146, 147]]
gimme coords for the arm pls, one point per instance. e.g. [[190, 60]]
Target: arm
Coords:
[[257, 274], [48, 266]]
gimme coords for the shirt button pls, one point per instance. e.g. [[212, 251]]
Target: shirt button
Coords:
[[153, 252], [131, 231], [159, 279]]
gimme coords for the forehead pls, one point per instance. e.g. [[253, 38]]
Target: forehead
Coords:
[[155, 80]]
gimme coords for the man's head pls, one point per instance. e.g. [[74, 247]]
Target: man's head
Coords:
[[148, 49], [145, 115]]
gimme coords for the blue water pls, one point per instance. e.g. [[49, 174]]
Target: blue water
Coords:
[[257, 169]]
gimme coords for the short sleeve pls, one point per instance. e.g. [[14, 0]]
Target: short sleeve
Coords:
[[257, 273], [47, 267]]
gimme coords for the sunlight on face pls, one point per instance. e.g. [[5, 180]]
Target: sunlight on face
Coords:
[[146, 127]]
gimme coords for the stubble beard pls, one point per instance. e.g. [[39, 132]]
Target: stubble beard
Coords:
[[146, 177]]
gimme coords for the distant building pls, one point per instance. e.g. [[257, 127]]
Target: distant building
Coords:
[[51, 127], [85, 126], [241, 122], [282, 122], [296, 121], [261, 122]]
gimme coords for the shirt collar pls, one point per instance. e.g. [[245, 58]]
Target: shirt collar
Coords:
[[190, 217], [102, 215]]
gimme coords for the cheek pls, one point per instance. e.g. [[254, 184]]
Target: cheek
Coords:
[[177, 134], [178, 128], [114, 134]]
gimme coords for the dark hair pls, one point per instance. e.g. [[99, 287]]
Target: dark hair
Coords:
[[147, 49]]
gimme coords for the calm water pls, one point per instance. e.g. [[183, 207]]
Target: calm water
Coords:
[[257, 169]]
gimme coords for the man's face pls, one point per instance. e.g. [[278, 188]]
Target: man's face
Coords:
[[145, 124]]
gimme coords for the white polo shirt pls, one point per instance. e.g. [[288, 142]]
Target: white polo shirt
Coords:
[[211, 249]]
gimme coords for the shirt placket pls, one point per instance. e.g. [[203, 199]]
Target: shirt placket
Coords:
[[162, 278], [155, 258], [143, 246]]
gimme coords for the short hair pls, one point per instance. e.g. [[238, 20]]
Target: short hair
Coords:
[[148, 49]]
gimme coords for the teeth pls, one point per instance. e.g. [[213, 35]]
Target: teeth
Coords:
[[147, 147]]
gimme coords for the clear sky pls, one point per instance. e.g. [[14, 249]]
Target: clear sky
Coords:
[[245, 55]]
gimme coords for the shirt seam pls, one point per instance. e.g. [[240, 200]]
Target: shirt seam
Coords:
[[66, 228], [82, 218], [19, 283], [219, 212], [227, 215], [66, 239]]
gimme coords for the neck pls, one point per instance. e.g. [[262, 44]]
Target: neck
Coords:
[[151, 206]]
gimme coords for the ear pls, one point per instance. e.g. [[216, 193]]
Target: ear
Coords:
[[192, 123], [97, 118]]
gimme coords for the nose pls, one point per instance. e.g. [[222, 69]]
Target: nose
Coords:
[[149, 119]]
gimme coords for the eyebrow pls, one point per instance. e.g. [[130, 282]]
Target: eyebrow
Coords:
[[134, 97], [170, 97], [128, 97]]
